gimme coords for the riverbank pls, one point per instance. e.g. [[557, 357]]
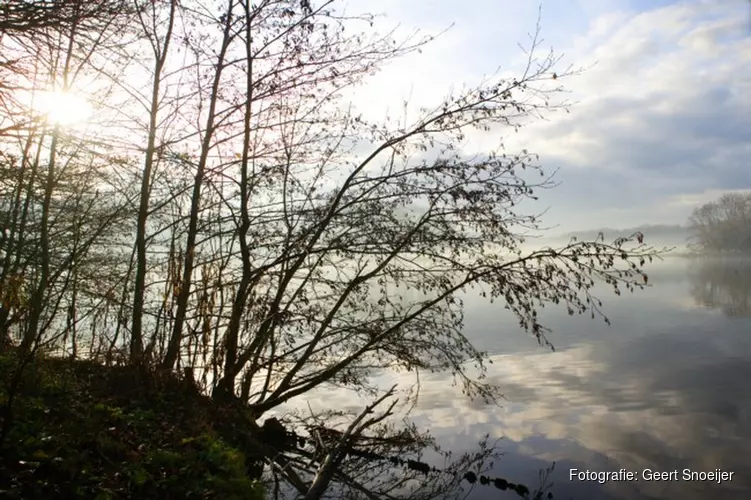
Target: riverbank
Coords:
[[83, 430]]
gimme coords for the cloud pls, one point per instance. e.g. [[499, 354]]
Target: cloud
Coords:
[[661, 116]]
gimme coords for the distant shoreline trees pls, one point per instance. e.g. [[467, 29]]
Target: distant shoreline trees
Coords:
[[722, 226]]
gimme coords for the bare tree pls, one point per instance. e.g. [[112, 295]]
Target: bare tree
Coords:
[[723, 226], [160, 47], [58, 211], [279, 242], [27, 16], [59, 207]]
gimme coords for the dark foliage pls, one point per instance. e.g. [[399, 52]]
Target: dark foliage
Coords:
[[86, 431]]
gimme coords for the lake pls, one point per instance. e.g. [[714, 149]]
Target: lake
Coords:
[[665, 388]]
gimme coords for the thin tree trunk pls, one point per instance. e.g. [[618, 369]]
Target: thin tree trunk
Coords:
[[37, 303], [139, 287], [227, 382], [173, 347]]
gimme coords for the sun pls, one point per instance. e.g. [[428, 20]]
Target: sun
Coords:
[[62, 108]]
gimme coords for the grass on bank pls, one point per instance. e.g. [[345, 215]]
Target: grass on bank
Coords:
[[83, 430]]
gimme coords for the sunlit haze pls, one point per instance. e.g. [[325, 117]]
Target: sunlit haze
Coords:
[[62, 108]]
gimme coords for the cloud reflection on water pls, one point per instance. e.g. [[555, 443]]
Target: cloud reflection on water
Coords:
[[665, 388], [673, 397]]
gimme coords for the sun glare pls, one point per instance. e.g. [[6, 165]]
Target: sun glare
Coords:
[[63, 108]]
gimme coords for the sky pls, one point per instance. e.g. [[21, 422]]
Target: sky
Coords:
[[661, 120]]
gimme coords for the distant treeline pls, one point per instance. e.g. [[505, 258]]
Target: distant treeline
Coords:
[[722, 226], [718, 227]]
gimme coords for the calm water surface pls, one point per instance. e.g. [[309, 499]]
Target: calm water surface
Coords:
[[666, 387]]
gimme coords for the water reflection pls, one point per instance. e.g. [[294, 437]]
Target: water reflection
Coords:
[[666, 388], [722, 284]]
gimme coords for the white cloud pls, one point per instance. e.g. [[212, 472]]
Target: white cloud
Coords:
[[662, 116]]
